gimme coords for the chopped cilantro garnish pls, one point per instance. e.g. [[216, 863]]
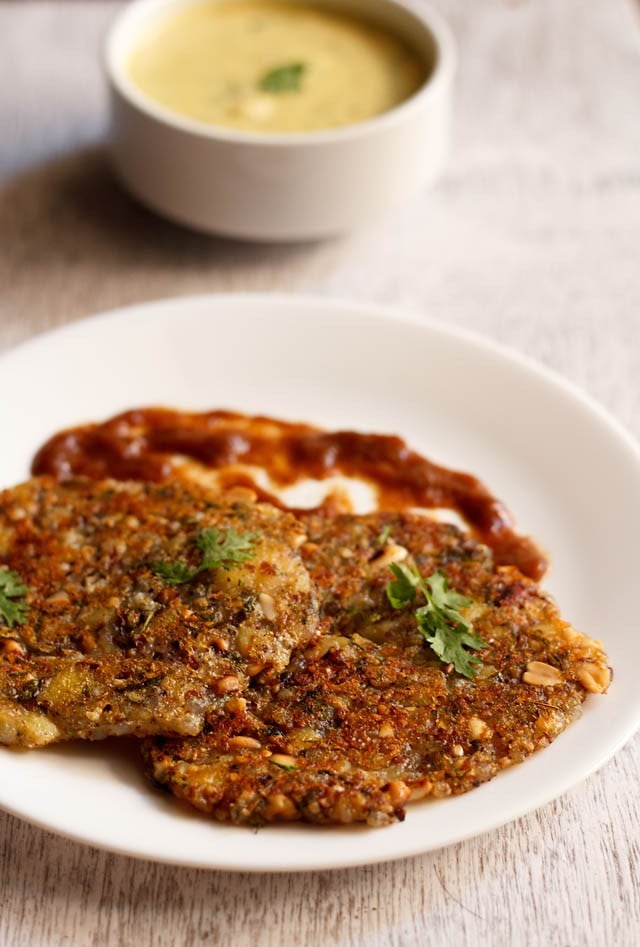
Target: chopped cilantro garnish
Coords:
[[11, 588], [220, 550], [439, 621]]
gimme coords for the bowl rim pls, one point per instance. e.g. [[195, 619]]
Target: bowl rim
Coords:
[[442, 75]]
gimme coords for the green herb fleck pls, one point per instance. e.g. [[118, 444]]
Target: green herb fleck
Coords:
[[220, 550], [287, 769], [11, 588], [439, 621], [139, 685], [285, 78], [174, 573], [384, 534]]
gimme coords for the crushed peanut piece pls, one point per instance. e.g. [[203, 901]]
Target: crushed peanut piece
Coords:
[[267, 605], [245, 743], [594, 677], [227, 684], [399, 792], [541, 674], [419, 792], [478, 728], [11, 647], [392, 553], [279, 807], [236, 705]]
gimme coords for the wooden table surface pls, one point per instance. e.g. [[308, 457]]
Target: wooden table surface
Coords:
[[532, 238]]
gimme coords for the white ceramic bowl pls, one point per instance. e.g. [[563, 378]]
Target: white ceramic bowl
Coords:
[[281, 186]]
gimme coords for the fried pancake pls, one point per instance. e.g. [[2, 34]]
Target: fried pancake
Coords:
[[46, 700], [367, 717], [109, 645]]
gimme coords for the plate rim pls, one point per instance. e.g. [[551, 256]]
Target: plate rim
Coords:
[[309, 301]]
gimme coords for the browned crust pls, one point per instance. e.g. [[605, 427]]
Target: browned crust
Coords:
[[367, 715], [86, 551]]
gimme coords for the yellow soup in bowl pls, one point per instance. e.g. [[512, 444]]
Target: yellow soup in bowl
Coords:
[[274, 65]]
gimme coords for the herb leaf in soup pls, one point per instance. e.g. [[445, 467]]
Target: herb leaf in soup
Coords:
[[274, 65], [285, 78]]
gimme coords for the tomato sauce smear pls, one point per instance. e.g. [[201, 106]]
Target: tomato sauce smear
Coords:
[[151, 444]]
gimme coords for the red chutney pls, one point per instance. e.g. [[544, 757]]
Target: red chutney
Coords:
[[141, 444]]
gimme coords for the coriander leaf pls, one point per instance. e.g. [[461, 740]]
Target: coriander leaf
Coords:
[[402, 590], [173, 573], [220, 550], [11, 588], [285, 78], [444, 599], [439, 622], [449, 640], [223, 550]]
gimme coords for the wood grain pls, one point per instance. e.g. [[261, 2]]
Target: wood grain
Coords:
[[532, 238]]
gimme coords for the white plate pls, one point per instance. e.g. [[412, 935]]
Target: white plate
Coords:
[[564, 467]]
